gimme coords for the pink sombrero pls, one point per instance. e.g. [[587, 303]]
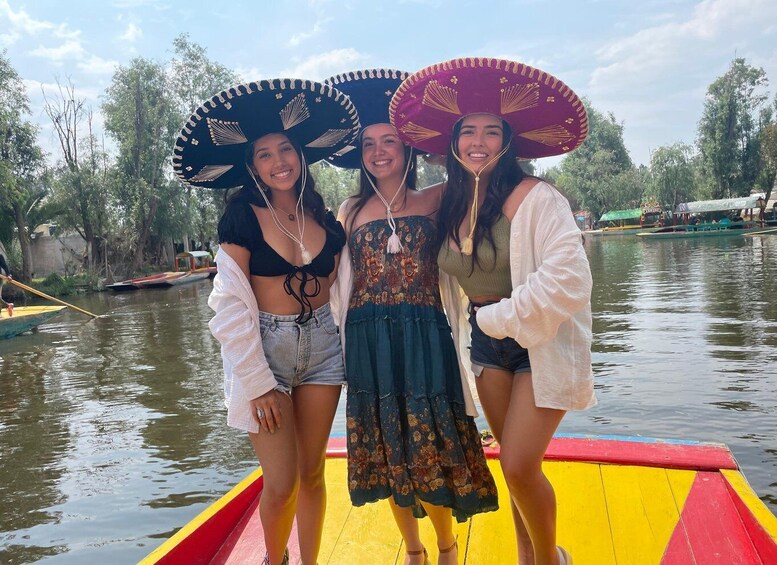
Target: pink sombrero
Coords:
[[546, 116]]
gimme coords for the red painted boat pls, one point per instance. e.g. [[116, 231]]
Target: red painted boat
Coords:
[[620, 500]]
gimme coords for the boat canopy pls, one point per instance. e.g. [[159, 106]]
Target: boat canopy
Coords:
[[195, 254], [614, 215], [739, 203]]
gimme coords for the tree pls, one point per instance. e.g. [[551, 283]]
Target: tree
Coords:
[[334, 184], [672, 174], [80, 184], [140, 114], [21, 160], [600, 175], [194, 79], [728, 133]]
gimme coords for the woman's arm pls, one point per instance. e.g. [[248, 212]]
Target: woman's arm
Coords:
[[558, 288]]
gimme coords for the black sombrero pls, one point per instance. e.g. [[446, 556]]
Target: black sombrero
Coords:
[[210, 150], [370, 91]]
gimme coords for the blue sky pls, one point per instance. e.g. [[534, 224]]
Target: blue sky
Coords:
[[648, 62]]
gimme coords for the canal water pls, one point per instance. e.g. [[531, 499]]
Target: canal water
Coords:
[[112, 431]]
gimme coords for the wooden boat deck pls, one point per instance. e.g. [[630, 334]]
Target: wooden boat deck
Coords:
[[608, 513]]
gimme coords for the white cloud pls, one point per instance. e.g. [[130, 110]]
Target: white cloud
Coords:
[[21, 23], [97, 65], [131, 34], [319, 67], [68, 50], [640, 57], [318, 27]]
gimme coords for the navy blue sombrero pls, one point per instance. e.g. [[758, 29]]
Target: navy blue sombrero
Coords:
[[370, 91], [210, 150]]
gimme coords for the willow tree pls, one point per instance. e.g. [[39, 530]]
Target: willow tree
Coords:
[[140, 114], [672, 175], [728, 133]]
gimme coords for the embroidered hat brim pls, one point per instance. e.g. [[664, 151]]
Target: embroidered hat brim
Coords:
[[370, 90], [210, 150], [546, 116]]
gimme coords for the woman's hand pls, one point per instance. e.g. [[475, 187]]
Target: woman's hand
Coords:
[[266, 411]]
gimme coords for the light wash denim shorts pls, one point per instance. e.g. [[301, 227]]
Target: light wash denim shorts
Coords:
[[303, 354]]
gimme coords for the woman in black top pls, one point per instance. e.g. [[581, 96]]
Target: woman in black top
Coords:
[[277, 260]]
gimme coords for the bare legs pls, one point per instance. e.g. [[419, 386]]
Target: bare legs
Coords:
[[442, 521], [524, 432], [314, 410], [293, 465]]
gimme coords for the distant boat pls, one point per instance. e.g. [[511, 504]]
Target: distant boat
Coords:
[[703, 230], [25, 318], [134, 284], [196, 262], [646, 218], [620, 500]]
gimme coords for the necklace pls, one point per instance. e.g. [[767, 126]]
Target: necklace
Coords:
[[299, 212], [289, 214]]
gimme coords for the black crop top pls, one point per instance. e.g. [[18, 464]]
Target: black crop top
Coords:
[[240, 226]]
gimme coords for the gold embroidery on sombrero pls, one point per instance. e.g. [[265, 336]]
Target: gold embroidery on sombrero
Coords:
[[344, 150], [550, 135], [519, 97], [225, 133], [329, 138], [441, 97], [418, 133], [210, 173], [295, 112]]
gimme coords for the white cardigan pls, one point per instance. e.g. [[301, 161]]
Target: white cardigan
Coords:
[[247, 374], [549, 310], [340, 297]]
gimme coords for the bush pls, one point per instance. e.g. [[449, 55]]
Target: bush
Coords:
[[55, 285]]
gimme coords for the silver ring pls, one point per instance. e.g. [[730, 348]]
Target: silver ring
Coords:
[[260, 413]]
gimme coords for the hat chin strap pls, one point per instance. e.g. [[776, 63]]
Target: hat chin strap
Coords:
[[467, 244], [299, 211], [394, 244]]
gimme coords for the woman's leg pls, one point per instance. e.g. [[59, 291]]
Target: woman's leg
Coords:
[[314, 410], [277, 453], [408, 529], [526, 434], [442, 520], [495, 388]]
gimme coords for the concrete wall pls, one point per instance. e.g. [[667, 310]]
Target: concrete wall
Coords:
[[60, 254]]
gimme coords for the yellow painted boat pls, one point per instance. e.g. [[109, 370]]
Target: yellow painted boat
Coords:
[[620, 500], [25, 318]]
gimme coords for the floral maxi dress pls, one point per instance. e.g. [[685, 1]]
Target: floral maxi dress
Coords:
[[409, 436]]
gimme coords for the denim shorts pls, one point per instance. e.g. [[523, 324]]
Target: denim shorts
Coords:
[[488, 352], [303, 354]]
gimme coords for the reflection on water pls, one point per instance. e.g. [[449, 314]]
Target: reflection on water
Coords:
[[112, 431]]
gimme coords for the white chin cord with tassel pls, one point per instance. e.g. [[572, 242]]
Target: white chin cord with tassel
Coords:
[[394, 244], [299, 214], [467, 244]]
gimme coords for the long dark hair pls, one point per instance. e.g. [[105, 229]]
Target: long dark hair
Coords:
[[366, 190], [311, 199], [454, 207]]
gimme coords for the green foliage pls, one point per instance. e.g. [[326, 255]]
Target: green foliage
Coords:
[[334, 184], [673, 178], [600, 176], [55, 285], [728, 129]]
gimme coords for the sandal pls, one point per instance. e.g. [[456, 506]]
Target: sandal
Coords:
[[486, 438], [563, 556], [284, 561], [419, 552]]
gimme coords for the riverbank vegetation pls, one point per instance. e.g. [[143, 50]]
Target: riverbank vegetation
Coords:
[[119, 194]]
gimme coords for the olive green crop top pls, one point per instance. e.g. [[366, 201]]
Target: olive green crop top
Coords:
[[492, 276]]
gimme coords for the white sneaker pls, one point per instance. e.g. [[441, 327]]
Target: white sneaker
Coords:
[[563, 557]]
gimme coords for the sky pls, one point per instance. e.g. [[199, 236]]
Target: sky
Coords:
[[649, 63]]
